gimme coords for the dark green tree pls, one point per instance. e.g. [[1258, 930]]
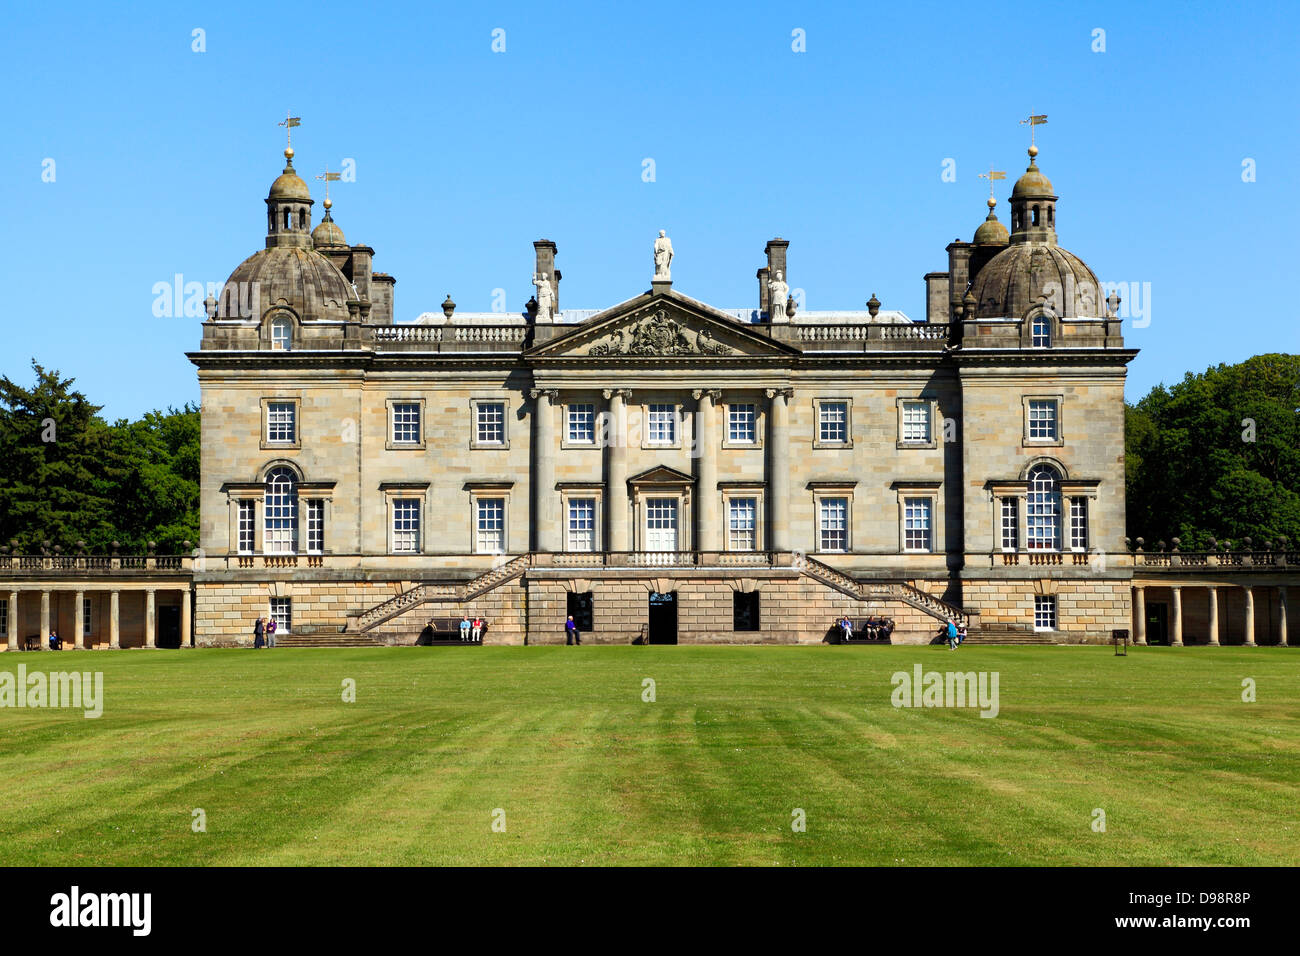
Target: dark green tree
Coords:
[[1217, 456]]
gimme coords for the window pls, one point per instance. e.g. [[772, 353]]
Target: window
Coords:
[[1041, 332], [582, 524], [662, 424], [1044, 612], [1010, 524], [582, 424], [85, 617], [916, 524], [490, 426], [578, 604], [742, 524], [281, 333], [916, 422], [1079, 524], [661, 524], [490, 526], [246, 529], [741, 428], [315, 526], [833, 524], [1043, 510], [833, 423], [282, 614], [744, 611], [280, 508], [406, 525], [281, 427], [1042, 420], [406, 423]]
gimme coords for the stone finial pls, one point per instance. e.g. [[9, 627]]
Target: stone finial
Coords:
[[1140, 543], [81, 546], [448, 306], [873, 305], [210, 306], [1128, 544], [1112, 304], [1160, 545], [1176, 542], [790, 306], [152, 546], [187, 545], [45, 547], [1214, 545], [1247, 543]]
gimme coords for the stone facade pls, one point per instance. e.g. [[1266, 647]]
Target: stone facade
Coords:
[[361, 475]]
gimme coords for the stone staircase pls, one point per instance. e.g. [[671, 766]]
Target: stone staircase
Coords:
[[323, 639], [1007, 634], [439, 593], [923, 601]]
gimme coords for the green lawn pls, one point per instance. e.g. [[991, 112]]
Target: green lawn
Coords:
[[587, 773]]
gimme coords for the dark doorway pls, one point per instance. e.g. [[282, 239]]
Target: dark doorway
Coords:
[[1157, 623], [579, 607], [744, 611], [169, 626], [663, 618]]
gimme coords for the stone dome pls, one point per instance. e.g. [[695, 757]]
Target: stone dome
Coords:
[[289, 185], [991, 232], [301, 279], [327, 234], [1028, 273], [1033, 184]]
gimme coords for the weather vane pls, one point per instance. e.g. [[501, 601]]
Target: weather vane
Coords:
[[1035, 119], [289, 123], [993, 175], [329, 178]]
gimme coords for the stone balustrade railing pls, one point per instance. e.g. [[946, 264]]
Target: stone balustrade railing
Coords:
[[80, 564], [909, 335]]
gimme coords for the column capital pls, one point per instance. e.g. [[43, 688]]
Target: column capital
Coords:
[[549, 393], [609, 393], [786, 392], [713, 393]]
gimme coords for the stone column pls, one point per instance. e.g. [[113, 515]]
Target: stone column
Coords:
[[12, 636], [185, 616], [45, 621], [1250, 617], [149, 630], [706, 441], [1140, 615], [616, 469], [779, 467], [1281, 620], [1214, 617], [1176, 631], [114, 632], [79, 622], [544, 519]]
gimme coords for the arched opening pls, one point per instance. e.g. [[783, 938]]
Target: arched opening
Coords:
[[281, 333], [1034, 218], [280, 507], [1051, 215], [1043, 509], [1040, 332], [288, 224]]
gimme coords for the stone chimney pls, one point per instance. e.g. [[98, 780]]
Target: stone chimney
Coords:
[[959, 254], [763, 293], [545, 250]]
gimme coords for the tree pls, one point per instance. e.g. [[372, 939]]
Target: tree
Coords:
[[67, 476], [1217, 456]]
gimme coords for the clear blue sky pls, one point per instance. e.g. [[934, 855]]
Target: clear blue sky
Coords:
[[465, 156]]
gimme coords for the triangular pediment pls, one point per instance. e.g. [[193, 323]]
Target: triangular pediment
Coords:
[[661, 475], [659, 325]]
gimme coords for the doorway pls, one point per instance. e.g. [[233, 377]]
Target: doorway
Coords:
[[1157, 623], [663, 618], [169, 626]]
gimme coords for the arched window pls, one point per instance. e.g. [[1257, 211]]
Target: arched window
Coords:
[[287, 220], [1034, 218], [281, 333], [280, 506], [1040, 332], [1051, 215], [1043, 509]]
